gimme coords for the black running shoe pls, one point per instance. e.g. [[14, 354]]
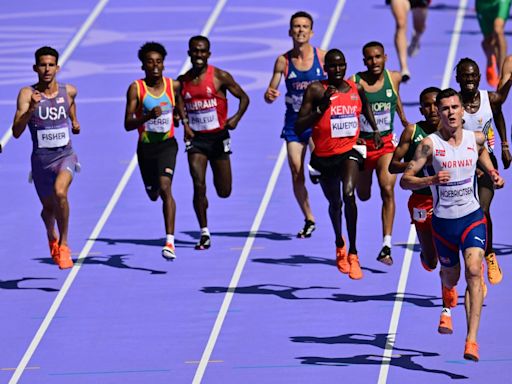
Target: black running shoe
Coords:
[[204, 243], [309, 227], [385, 256]]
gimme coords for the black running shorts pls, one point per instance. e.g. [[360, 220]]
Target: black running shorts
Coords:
[[332, 165], [155, 160], [215, 146]]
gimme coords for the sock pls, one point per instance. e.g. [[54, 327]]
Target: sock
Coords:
[[446, 312], [387, 241], [169, 239], [205, 231]]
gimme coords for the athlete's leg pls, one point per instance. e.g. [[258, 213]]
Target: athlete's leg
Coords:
[[364, 186], [61, 188], [48, 216], [222, 178], [400, 9], [500, 42], [296, 153], [387, 191], [419, 18], [331, 188], [428, 249], [169, 205], [486, 195], [197, 165], [474, 293], [350, 177]]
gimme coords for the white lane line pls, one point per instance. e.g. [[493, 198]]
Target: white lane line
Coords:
[[208, 350], [67, 52], [94, 234], [404, 273]]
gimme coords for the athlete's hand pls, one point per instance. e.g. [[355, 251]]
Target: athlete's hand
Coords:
[[378, 140], [189, 133], [442, 177], [506, 158], [232, 123], [479, 173], [271, 95], [155, 112], [75, 127], [498, 181], [360, 141], [325, 101], [35, 99]]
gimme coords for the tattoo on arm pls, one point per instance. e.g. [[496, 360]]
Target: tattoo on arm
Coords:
[[425, 149]]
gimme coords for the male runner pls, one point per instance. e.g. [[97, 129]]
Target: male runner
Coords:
[[420, 202], [381, 88], [204, 93], [481, 109], [49, 110], [458, 221], [300, 66], [333, 107], [149, 109]]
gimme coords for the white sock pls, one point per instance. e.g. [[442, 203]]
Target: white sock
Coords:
[[387, 241], [446, 312], [205, 231], [169, 239]]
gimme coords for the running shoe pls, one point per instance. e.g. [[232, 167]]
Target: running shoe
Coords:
[[342, 260], [385, 256], [449, 297], [168, 252], [204, 243], [309, 227], [64, 259], [491, 74], [54, 250], [414, 47], [314, 175], [471, 351], [355, 268], [445, 324], [494, 274]]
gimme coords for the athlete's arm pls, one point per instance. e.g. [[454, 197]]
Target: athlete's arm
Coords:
[[485, 161], [227, 82], [396, 165], [321, 56], [272, 93], [422, 157], [131, 121], [505, 78], [368, 113], [72, 92], [396, 77], [315, 102], [496, 101], [26, 104], [180, 108]]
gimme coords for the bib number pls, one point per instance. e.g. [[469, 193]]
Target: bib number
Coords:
[[343, 126], [419, 215], [204, 120]]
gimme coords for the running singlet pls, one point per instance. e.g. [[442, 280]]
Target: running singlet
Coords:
[[206, 108], [418, 135], [49, 124], [296, 82], [161, 128], [458, 197], [337, 130], [482, 120], [383, 104]]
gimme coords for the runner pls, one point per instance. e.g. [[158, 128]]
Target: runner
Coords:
[[204, 93], [150, 103], [49, 110], [458, 222], [381, 88], [333, 107], [300, 66]]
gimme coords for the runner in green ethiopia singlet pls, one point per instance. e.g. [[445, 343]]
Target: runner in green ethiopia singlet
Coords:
[[383, 104], [418, 135]]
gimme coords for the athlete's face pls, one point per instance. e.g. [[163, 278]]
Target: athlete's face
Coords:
[[429, 109], [46, 68], [451, 112], [335, 66], [375, 59], [468, 78], [301, 30], [153, 65], [199, 53]]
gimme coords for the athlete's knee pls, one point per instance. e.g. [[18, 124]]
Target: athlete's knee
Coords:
[[473, 269], [61, 193], [165, 191], [364, 195], [153, 195], [224, 191], [298, 177], [348, 193]]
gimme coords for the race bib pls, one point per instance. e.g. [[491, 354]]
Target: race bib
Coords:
[[419, 215], [204, 120], [161, 124], [343, 125], [53, 138], [382, 119]]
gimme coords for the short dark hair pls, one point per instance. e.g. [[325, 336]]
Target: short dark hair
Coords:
[[446, 93], [151, 46], [46, 51], [466, 61], [199, 38], [373, 44], [429, 90], [301, 14], [333, 52]]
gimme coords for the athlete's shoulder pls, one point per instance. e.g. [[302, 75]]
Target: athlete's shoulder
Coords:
[[71, 90]]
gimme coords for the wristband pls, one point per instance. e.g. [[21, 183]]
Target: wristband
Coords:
[[493, 172]]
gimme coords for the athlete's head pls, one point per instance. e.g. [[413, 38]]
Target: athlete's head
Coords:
[[467, 75], [449, 104], [199, 51], [46, 65], [301, 27], [152, 56], [428, 106], [335, 65], [374, 57]]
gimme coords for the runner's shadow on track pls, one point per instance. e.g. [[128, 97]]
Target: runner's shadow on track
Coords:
[[300, 260], [502, 249], [260, 235], [435, 7], [415, 248], [114, 261], [424, 301], [151, 242], [402, 361], [286, 292], [15, 284]]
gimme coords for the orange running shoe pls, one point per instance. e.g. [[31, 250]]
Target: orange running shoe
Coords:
[[445, 324], [471, 351], [491, 74], [494, 274], [65, 260], [54, 250], [450, 297], [341, 259], [355, 268]]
